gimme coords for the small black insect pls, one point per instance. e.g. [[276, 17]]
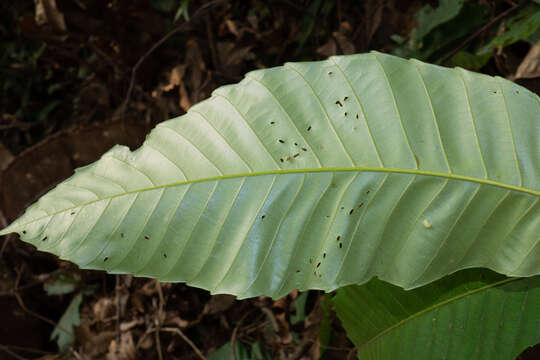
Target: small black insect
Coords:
[[272, 122], [339, 103], [345, 113], [338, 237], [345, 98], [357, 116], [296, 155], [319, 264], [147, 237], [304, 149], [324, 255], [24, 231], [340, 245], [281, 141], [73, 213], [165, 255], [330, 73], [350, 212], [281, 159], [121, 235], [309, 128], [105, 259], [297, 271], [262, 217], [44, 239]]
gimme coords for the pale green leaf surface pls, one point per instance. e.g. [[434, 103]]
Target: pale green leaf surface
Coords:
[[473, 314], [64, 332], [314, 175]]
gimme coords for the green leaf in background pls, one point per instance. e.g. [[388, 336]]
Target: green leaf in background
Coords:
[[299, 304], [433, 44], [473, 314], [64, 332], [314, 175], [469, 61], [429, 18], [519, 27], [240, 352], [63, 285]]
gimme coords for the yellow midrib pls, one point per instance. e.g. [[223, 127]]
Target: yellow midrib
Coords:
[[312, 170]]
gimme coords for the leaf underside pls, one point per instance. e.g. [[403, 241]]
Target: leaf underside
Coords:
[[473, 314], [314, 175]]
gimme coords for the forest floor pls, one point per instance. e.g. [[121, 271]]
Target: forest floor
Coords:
[[80, 76]]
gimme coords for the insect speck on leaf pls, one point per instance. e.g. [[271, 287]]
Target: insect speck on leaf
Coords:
[[350, 212], [262, 217], [281, 141], [288, 158], [310, 260], [357, 116], [281, 159], [105, 259], [24, 231], [147, 237], [345, 98], [309, 128], [121, 235], [427, 224], [297, 271], [165, 255], [319, 264], [296, 155], [330, 73], [340, 245], [304, 149], [73, 213], [345, 113], [44, 239], [338, 237], [360, 205], [272, 122], [324, 255]]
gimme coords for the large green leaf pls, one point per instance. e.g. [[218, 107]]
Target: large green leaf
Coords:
[[314, 175], [469, 315]]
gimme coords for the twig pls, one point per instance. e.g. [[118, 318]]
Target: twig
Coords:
[[212, 43], [117, 294], [158, 320], [481, 30], [26, 349], [40, 317], [235, 331], [177, 29], [9, 352], [186, 339]]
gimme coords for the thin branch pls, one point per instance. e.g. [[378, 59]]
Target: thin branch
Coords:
[[186, 339], [201, 11], [481, 31]]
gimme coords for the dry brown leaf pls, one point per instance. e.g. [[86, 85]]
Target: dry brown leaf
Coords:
[[175, 78], [47, 13], [530, 66], [5, 157], [125, 350], [104, 308], [230, 54], [218, 303]]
